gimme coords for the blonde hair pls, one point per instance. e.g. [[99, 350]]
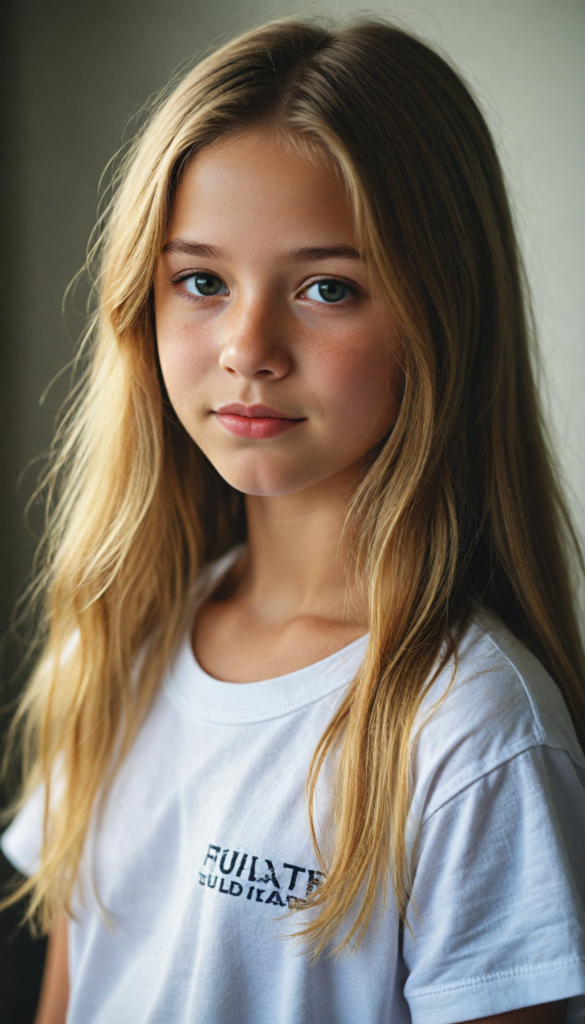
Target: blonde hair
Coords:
[[459, 505]]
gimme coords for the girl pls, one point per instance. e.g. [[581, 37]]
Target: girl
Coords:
[[308, 531]]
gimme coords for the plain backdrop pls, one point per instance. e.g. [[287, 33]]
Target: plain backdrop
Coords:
[[76, 74]]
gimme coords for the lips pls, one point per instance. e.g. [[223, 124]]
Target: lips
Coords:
[[257, 422], [254, 411]]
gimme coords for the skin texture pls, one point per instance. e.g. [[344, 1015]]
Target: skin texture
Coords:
[[268, 338], [54, 997], [262, 339]]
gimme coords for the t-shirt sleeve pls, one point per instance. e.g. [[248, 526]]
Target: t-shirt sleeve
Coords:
[[499, 887], [22, 840]]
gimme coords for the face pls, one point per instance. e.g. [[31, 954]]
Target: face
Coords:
[[276, 357]]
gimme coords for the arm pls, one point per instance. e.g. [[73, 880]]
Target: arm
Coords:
[[545, 1013], [52, 1007]]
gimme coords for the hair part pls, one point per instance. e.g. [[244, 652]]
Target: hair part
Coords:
[[460, 506]]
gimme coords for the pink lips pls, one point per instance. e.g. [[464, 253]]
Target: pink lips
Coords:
[[254, 421]]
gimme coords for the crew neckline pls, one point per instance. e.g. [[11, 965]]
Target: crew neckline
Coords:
[[203, 696]]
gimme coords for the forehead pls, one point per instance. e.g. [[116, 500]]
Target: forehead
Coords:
[[258, 187]]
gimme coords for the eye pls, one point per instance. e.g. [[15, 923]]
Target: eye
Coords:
[[329, 291], [204, 284]]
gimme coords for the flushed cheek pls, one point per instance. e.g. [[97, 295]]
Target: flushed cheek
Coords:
[[185, 366], [358, 394]]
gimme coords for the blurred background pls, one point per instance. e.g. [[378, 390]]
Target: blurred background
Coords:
[[76, 76]]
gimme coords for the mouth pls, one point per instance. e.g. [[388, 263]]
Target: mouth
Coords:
[[257, 422]]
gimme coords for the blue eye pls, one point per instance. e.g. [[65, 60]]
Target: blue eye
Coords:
[[328, 291], [204, 284]]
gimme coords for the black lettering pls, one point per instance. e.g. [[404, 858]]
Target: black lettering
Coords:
[[234, 886], [272, 877], [211, 880], [275, 898], [242, 865], [222, 867], [202, 878], [210, 856], [294, 869], [221, 888], [250, 891], [258, 894]]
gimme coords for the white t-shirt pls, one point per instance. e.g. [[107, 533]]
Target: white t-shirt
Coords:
[[205, 838]]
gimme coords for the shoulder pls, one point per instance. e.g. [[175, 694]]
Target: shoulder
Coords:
[[497, 826], [494, 704]]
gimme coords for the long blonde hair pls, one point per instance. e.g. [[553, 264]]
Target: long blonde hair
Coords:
[[459, 505]]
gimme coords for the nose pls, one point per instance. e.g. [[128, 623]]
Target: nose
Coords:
[[255, 344]]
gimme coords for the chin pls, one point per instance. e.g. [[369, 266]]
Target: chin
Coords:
[[265, 486], [262, 478]]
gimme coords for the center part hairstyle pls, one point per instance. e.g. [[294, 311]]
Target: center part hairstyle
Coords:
[[458, 506]]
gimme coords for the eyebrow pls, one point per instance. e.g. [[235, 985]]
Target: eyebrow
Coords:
[[331, 252], [182, 247], [308, 254]]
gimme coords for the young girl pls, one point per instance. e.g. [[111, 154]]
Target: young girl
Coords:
[[308, 532]]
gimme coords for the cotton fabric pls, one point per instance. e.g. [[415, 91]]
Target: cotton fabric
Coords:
[[205, 840]]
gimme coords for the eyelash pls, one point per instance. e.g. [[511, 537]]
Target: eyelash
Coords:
[[353, 290]]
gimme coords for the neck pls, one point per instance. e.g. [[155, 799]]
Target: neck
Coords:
[[297, 554]]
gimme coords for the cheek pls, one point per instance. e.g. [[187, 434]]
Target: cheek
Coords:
[[183, 361], [359, 384]]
